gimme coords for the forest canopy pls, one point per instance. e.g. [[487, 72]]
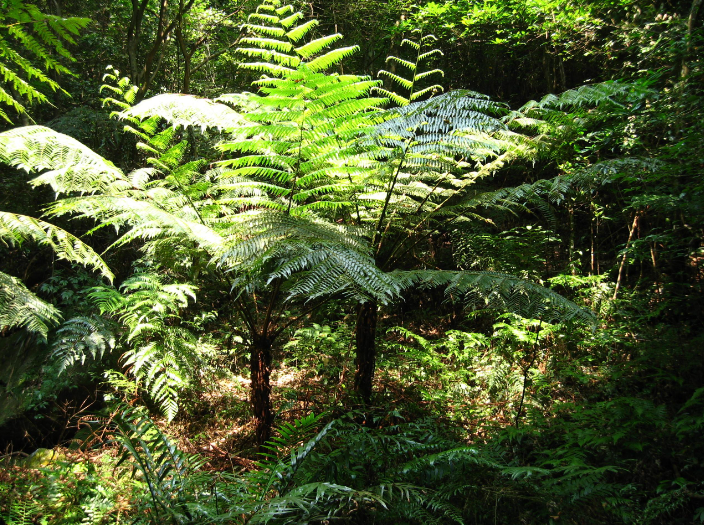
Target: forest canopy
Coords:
[[372, 262]]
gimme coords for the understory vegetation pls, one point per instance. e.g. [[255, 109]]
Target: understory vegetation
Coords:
[[444, 269]]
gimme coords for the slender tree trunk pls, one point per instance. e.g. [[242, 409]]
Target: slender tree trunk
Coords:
[[260, 367], [572, 255], [691, 22], [625, 255], [365, 336]]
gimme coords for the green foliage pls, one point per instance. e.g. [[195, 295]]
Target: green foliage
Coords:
[[16, 229], [519, 251], [167, 471], [310, 191], [414, 75], [301, 144], [19, 307], [64, 489], [278, 44], [72, 167], [279, 491], [161, 354], [43, 36]]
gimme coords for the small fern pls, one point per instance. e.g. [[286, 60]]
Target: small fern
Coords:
[[166, 470], [160, 356]]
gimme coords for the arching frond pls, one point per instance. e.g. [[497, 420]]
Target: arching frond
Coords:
[[16, 229], [72, 167], [591, 94], [500, 291], [187, 111]]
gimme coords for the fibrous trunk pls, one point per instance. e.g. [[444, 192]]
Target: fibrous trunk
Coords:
[[365, 335], [260, 366]]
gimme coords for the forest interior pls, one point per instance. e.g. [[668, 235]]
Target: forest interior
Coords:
[[353, 261]]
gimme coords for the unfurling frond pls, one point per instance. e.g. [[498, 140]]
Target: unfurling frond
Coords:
[[276, 43], [410, 82]]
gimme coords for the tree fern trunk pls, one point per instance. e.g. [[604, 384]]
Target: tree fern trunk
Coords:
[[365, 335], [260, 367]]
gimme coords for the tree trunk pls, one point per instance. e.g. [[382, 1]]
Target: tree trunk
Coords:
[[572, 252], [260, 367], [691, 22], [365, 335], [625, 255]]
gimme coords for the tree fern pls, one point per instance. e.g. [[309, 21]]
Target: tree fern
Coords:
[[316, 151], [421, 181]]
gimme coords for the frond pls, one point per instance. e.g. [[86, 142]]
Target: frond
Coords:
[[316, 46], [300, 31], [268, 43], [31, 31], [16, 229], [146, 218], [162, 355], [265, 30], [592, 94], [258, 232], [163, 466], [81, 337], [395, 97], [315, 502], [494, 290], [20, 308], [186, 111], [72, 166], [329, 269], [331, 58], [435, 88], [404, 83]]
